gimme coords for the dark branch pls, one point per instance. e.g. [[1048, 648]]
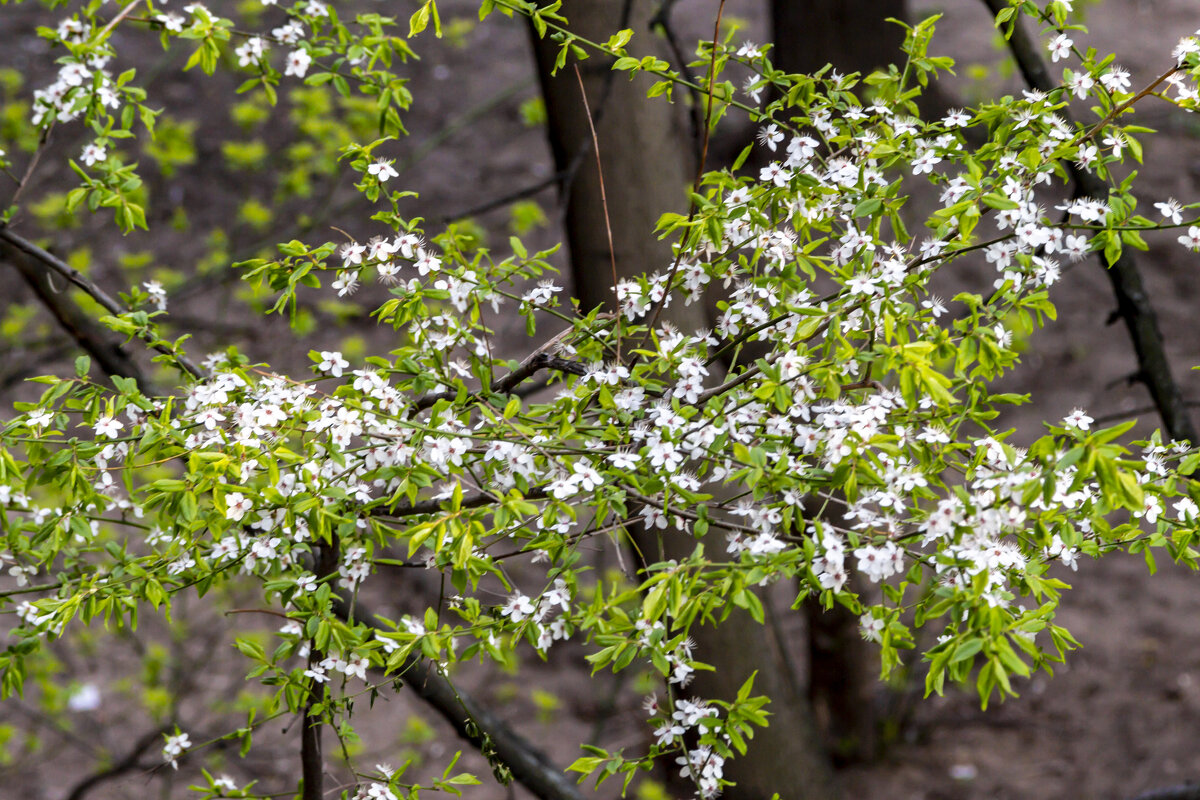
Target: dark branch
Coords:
[[93, 338], [432, 506], [128, 763], [526, 369], [505, 199], [478, 725], [1132, 300], [312, 764], [64, 270]]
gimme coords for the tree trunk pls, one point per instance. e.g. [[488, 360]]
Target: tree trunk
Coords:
[[647, 169], [850, 34], [643, 149], [843, 670]]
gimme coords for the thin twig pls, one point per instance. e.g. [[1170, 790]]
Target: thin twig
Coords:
[[612, 252], [504, 199], [125, 12], [692, 207], [1115, 112], [33, 162]]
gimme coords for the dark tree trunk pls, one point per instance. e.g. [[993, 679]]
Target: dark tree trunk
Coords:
[[842, 683], [852, 35], [643, 150], [647, 169]]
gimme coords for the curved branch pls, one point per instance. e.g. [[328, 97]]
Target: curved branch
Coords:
[[128, 763], [534, 363]]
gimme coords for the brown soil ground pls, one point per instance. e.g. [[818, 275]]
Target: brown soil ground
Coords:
[[1120, 718]]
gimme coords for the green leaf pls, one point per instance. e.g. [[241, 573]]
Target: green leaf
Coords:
[[418, 21], [655, 602]]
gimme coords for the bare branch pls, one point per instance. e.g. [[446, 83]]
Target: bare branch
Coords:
[[76, 277], [127, 763]]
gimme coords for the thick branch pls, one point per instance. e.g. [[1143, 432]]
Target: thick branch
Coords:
[[93, 338], [10, 240], [1133, 302], [478, 725]]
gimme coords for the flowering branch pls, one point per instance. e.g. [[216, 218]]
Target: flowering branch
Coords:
[[1133, 302]]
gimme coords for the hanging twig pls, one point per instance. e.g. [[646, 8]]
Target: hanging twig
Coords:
[[612, 251]]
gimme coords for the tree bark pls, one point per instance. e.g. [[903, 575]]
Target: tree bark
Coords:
[[852, 35], [648, 167], [643, 149], [842, 683]]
